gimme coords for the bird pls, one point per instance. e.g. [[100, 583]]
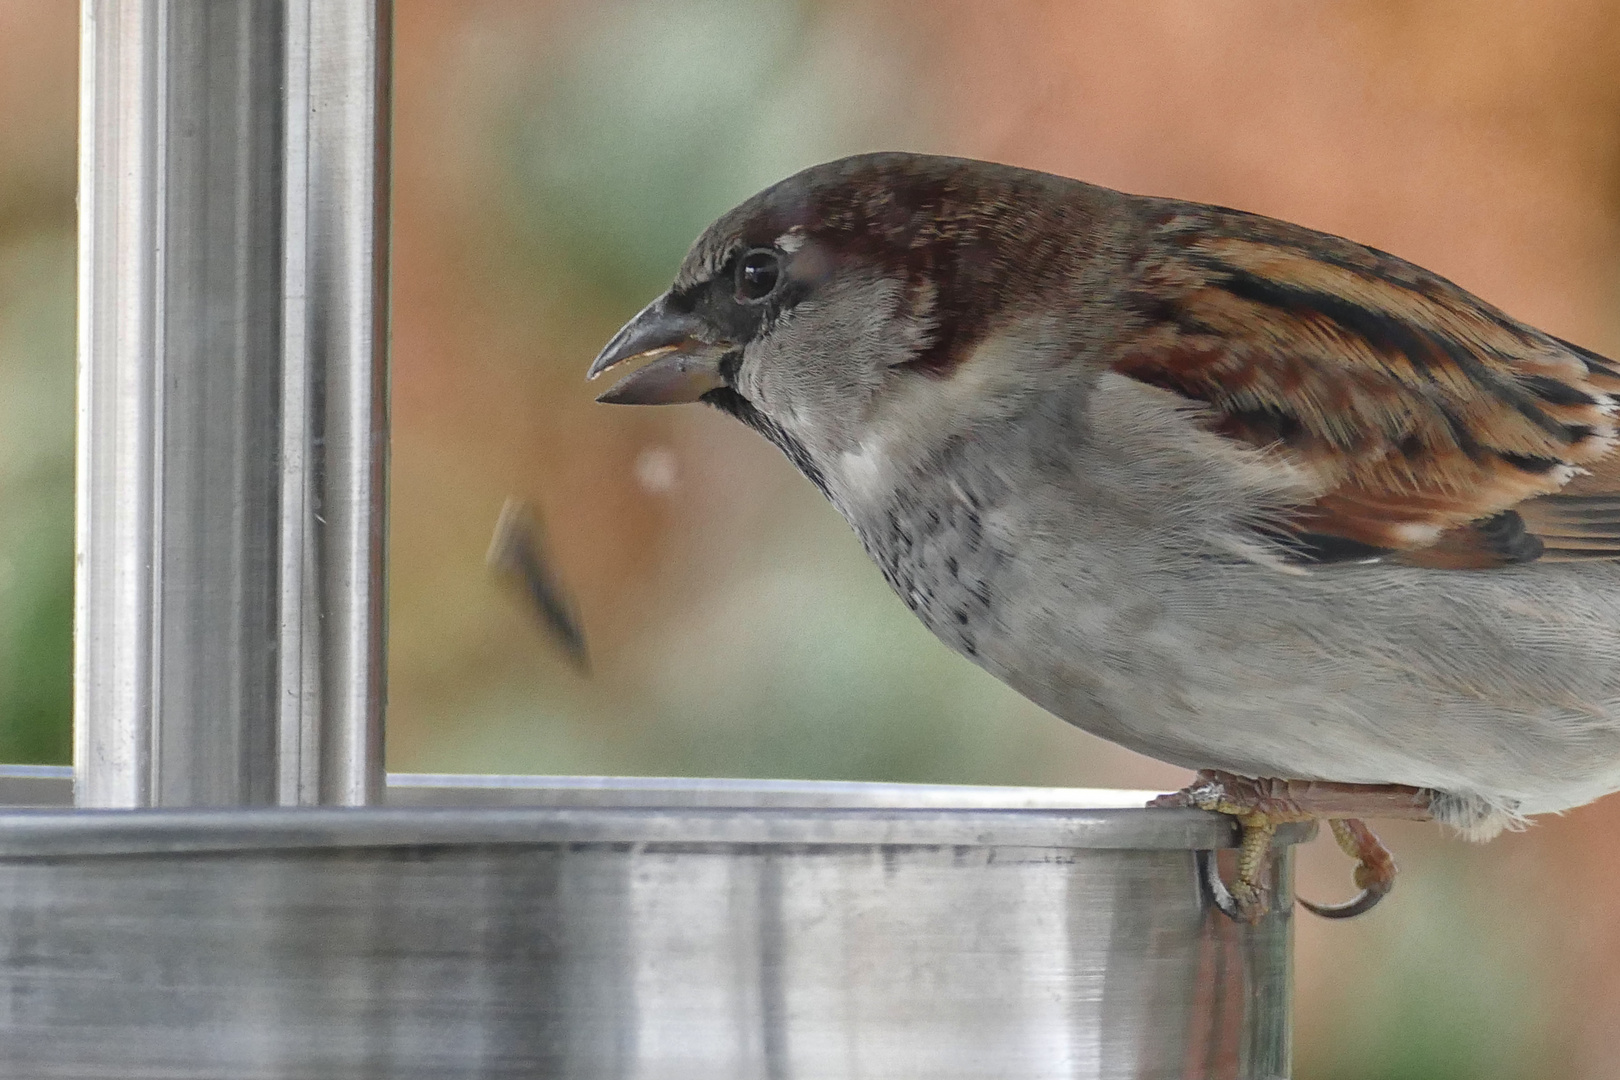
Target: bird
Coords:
[[1243, 496]]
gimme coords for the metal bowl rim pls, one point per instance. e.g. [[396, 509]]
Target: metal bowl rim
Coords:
[[33, 834]]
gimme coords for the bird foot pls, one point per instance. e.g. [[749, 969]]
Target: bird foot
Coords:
[[1260, 805]]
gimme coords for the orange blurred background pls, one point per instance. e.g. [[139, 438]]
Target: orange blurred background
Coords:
[[552, 161]]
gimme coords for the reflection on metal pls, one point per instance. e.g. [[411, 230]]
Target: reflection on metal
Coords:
[[232, 402], [462, 789], [334, 479], [336, 400], [36, 785], [702, 935]]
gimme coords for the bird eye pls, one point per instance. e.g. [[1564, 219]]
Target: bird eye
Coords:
[[757, 274]]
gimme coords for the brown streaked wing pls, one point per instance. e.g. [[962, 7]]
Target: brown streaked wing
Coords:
[[1438, 430]]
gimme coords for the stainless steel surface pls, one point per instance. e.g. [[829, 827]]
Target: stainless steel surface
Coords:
[[334, 480], [849, 937], [120, 75], [232, 401], [483, 789], [112, 832]]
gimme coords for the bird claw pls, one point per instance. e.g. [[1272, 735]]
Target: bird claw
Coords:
[[1210, 874], [1363, 902], [1259, 806], [1375, 870]]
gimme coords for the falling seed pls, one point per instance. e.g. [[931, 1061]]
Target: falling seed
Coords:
[[517, 553]]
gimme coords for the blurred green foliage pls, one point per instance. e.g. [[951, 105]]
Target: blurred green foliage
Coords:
[[800, 664], [36, 496], [615, 151], [660, 116], [1457, 990]]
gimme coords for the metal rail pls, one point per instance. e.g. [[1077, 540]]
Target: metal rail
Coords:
[[233, 421], [640, 927], [52, 786]]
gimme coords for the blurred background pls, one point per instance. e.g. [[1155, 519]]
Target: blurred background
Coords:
[[553, 160]]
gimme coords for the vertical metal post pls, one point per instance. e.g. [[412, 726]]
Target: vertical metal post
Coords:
[[232, 402], [334, 485]]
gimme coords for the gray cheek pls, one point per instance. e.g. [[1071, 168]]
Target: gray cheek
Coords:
[[831, 354], [799, 376], [751, 383], [780, 382]]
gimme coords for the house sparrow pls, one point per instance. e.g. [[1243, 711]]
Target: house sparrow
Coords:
[[1236, 494]]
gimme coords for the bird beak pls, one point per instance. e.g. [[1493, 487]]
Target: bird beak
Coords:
[[681, 365]]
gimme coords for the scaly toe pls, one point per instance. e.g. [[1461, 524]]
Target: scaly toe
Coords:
[[1258, 814], [1252, 890], [1260, 805]]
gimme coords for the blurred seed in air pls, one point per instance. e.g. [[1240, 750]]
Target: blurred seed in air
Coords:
[[517, 554]]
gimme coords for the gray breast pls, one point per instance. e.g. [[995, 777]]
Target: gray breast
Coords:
[[932, 546]]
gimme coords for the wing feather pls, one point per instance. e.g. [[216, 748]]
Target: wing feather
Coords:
[[1435, 429]]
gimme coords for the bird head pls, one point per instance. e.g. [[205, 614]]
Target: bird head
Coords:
[[863, 312]]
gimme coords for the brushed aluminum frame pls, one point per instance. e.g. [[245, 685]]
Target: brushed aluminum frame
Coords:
[[641, 927], [232, 402]]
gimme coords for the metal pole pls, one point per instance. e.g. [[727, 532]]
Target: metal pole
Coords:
[[334, 483], [232, 402]]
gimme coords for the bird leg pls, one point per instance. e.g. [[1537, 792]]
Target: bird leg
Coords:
[[1260, 805]]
